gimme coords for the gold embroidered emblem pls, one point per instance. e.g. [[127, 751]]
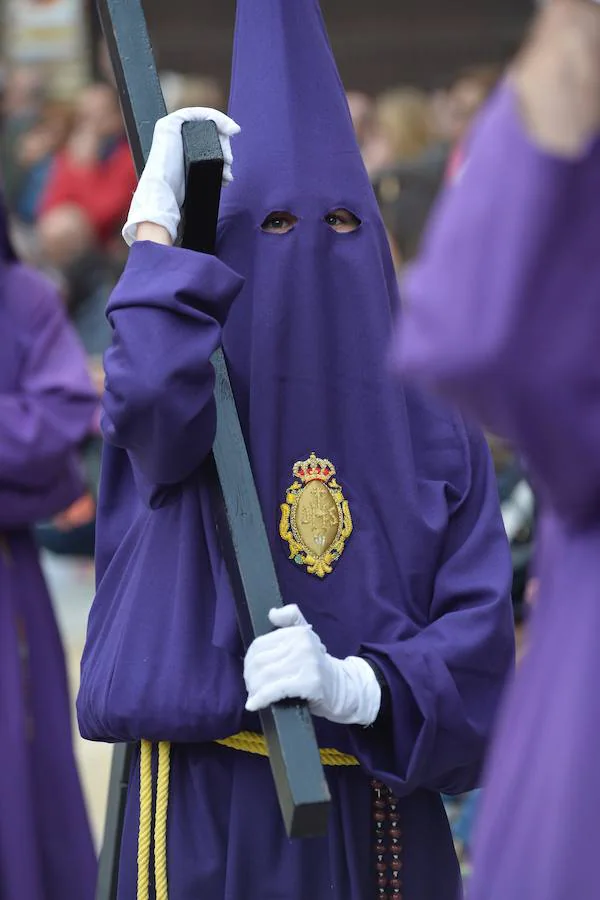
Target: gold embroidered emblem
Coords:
[[315, 519]]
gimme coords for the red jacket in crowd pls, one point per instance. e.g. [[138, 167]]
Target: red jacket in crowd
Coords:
[[103, 189]]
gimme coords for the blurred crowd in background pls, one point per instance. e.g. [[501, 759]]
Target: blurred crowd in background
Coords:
[[68, 175], [68, 181]]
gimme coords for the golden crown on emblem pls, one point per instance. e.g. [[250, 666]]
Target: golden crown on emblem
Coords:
[[314, 469]]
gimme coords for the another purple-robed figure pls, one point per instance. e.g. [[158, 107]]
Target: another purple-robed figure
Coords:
[[422, 586], [503, 317], [46, 408]]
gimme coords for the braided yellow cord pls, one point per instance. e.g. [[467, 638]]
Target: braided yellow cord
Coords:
[[250, 742], [160, 825], [145, 830], [247, 741]]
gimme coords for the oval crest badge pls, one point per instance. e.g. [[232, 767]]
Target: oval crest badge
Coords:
[[315, 519]]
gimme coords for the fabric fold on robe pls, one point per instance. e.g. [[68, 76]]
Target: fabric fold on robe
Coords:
[[43, 414], [444, 698], [164, 416], [20, 506]]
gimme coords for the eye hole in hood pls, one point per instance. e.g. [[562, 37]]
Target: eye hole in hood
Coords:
[[279, 222], [342, 221], [339, 220]]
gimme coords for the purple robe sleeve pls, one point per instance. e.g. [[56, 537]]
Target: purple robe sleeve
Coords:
[[21, 507], [446, 680], [503, 313], [48, 412], [166, 314]]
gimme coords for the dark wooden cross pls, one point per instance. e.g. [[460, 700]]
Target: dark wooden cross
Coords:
[[288, 729]]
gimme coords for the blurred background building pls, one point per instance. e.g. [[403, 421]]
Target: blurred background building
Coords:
[[378, 44]]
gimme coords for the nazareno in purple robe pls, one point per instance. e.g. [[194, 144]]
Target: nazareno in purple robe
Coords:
[[504, 317], [46, 408], [422, 586]]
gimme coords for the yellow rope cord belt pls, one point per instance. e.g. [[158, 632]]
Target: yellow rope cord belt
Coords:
[[251, 742], [246, 741], [161, 886]]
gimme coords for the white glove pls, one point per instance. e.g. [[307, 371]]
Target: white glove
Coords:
[[161, 189], [292, 663]]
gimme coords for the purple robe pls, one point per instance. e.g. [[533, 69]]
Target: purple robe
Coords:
[[423, 585], [46, 407], [502, 309]]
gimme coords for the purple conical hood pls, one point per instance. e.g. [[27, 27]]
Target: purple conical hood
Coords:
[[306, 341], [297, 135]]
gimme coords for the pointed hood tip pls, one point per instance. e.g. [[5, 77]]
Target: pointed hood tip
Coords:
[[286, 91]]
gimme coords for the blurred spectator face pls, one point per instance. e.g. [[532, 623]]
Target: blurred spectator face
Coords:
[[46, 137], [404, 124], [98, 111], [467, 97], [64, 235], [181, 91], [362, 111], [441, 114], [405, 197], [373, 144], [23, 90]]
